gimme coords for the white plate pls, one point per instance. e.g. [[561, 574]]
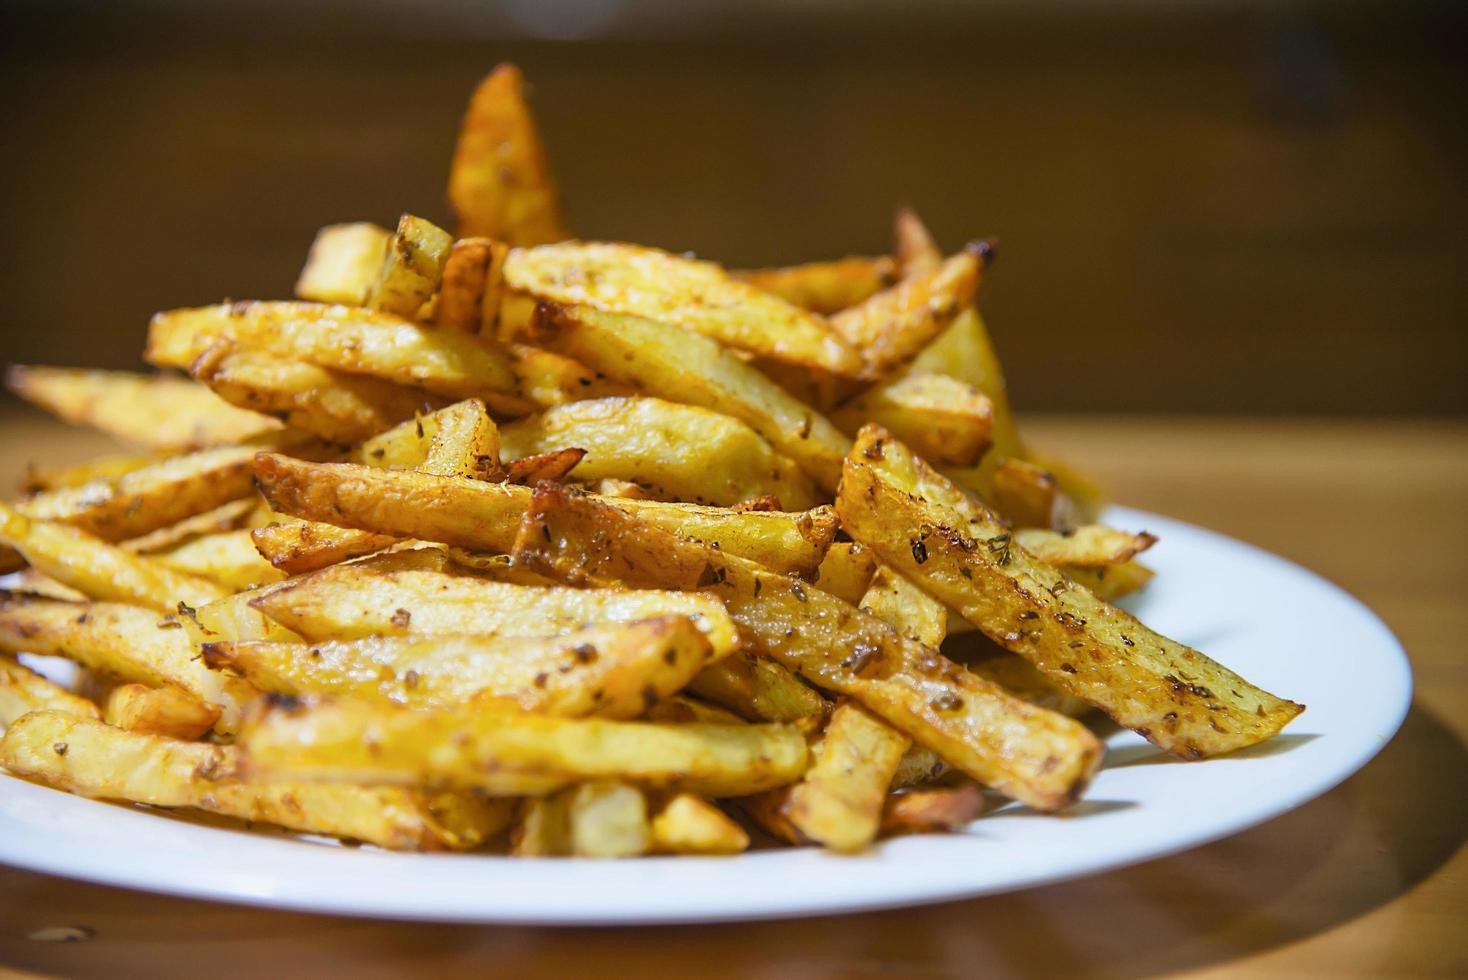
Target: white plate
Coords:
[[1280, 626]]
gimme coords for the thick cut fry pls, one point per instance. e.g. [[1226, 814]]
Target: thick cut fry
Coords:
[[226, 517], [696, 296], [689, 824], [890, 328], [678, 452], [100, 570], [92, 759], [945, 808], [41, 478], [916, 252], [168, 711], [946, 420], [838, 803], [554, 466], [366, 741], [228, 558], [485, 516], [608, 820], [467, 301], [22, 691], [235, 619], [1022, 679], [345, 338], [1111, 583], [400, 594], [343, 263], [500, 184], [826, 287], [611, 670], [1091, 546], [304, 546], [331, 405], [905, 607], [846, 571], [664, 361], [1027, 495], [411, 268], [1025, 752], [758, 689], [547, 378], [125, 642], [466, 443], [151, 411], [1169, 693]]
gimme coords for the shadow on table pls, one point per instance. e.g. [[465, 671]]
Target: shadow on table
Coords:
[[1305, 873]]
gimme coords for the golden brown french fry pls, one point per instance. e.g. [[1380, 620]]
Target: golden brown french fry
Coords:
[[916, 252], [100, 570], [608, 819], [147, 410], [304, 546], [826, 287], [40, 478], [758, 689], [228, 558], [411, 268], [464, 297], [611, 670], [946, 420], [234, 618], [332, 405], [891, 327], [466, 443], [168, 711], [22, 691], [1111, 583], [1022, 679], [500, 184], [678, 452], [554, 466], [962, 553], [344, 338], [663, 360], [846, 571], [689, 824], [402, 593], [343, 263], [838, 802], [1025, 752], [1027, 495], [126, 642], [474, 748], [945, 808], [226, 517], [697, 296], [89, 758], [485, 516], [1091, 546], [547, 378]]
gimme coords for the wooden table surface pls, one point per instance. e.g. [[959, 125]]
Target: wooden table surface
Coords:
[[1369, 880]]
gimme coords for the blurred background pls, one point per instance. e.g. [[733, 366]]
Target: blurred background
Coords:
[[1202, 207]]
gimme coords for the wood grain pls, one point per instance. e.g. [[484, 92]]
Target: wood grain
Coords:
[[1369, 880]]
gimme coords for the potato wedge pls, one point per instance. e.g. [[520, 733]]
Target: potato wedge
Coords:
[[689, 824], [677, 452], [1025, 752], [331, 405], [664, 361], [466, 443], [100, 570], [344, 338], [473, 748], [636, 281], [343, 263], [916, 252], [890, 328], [22, 691], [1169, 693], [838, 802], [89, 758], [168, 711], [126, 642], [465, 295], [412, 267], [1091, 546], [1028, 496], [500, 184], [826, 287], [944, 419], [485, 516], [608, 819], [152, 411], [611, 670]]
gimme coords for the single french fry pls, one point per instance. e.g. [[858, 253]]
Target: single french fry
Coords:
[[555, 466], [678, 452], [228, 558], [485, 516], [500, 184], [411, 268], [22, 691], [945, 808], [846, 571], [916, 252], [608, 819], [826, 287], [89, 758], [343, 263], [466, 443], [1027, 495], [689, 824], [963, 554], [697, 296], [462, 301], [297, 547], [168, 711], [547, 378], [758, 689], [147, 410], [891, 327], [1025, 752], [838, 802], [226, 517], [611, 670], [473, 748], [1091, 546], [126, 642], [947, 421], [663, 360]]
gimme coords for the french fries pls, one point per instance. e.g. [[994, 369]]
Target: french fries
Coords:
[[924, 526], [354, 579]]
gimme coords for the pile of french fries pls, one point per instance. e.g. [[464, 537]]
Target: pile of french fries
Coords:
[[502, 540]]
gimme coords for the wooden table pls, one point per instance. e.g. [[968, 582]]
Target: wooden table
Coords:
[[1370, 880]]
